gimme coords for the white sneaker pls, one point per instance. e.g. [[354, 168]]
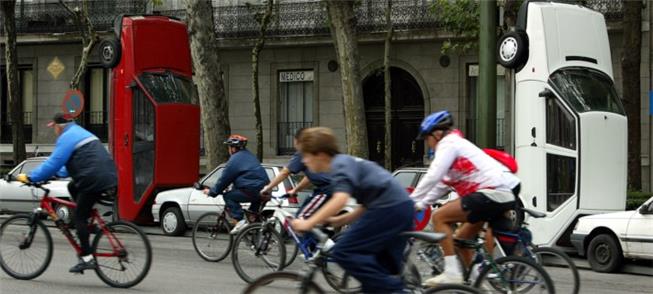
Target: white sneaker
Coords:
[[444, 278], [239, 226]]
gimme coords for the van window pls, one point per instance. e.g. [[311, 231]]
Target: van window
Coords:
[[560, 180], [560, 125], [166, 87], [586, 90]]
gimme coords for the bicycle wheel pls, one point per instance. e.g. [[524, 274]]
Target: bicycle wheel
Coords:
[[560, 267], [514, 274], [452, 289], [291, 250], [211, 237], [338, 278], [281, 281], [428, 258], [257, 251], [130, 265], [20, 258]]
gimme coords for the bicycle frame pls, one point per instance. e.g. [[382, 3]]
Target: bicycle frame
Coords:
[[46, 205]]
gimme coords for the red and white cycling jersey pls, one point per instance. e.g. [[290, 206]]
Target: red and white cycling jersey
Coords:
[[463, 166]]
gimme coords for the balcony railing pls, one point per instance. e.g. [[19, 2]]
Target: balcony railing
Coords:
[[470, 132], [286, 134], [5, 129], [54, 18]]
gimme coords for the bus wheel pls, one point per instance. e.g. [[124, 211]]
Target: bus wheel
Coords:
[[513, 49], [109, 51]]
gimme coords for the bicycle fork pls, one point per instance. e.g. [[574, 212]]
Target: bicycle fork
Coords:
[[27, 241]]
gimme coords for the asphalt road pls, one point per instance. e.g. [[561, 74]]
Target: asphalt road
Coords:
[[176, 268]]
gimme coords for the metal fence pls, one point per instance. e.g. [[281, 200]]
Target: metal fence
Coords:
[[286, 133], [470, 131], [54, 18]]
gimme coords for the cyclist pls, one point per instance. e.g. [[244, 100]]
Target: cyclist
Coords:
[[80, 155], [248, 177], [484, 185], [371, 249], [321, 181]]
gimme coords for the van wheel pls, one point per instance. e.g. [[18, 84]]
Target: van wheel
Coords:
[[513, 49], [109, 51], [172, 222], [604, 254]]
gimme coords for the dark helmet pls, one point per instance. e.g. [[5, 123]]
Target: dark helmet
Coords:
[[237, 141], [441, 120]]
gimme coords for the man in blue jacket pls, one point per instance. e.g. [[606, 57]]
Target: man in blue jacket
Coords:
[[80, 155], [248, 177]]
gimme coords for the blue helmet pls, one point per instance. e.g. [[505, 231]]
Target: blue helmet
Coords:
[[440, 120]]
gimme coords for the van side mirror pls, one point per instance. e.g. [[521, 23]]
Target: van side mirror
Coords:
[[546, 93]]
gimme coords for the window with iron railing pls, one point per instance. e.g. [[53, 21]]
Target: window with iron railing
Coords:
[[96, 89], [469, 128], [26, 92], [296, 107]]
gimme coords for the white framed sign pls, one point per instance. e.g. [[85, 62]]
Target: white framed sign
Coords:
[[296, 76]]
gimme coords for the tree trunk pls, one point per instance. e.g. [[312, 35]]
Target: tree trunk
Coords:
[[89, 37], [208, 76], [342, 21], [630, 67], [255, 90], [387, 83], [15, 100]]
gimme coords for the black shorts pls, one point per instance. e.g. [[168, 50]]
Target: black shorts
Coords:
[[482, 208]]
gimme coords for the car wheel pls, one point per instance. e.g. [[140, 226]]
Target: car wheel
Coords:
[[513, 49], [604, 254], [172, 222], [109, 52]]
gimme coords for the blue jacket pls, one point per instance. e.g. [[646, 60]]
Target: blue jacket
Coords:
[[243, 170], [80, 155]]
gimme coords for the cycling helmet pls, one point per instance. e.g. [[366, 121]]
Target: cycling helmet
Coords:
[[441, 120], [237, 141]]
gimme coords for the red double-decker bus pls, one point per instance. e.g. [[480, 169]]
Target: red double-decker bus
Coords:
[[154, 126]]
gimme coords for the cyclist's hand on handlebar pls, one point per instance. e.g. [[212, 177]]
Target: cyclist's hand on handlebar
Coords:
[[206, 191], [23, 178]]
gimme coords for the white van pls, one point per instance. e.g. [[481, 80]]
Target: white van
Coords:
[[570, 129]]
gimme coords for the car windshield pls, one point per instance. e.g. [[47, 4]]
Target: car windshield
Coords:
[[167, 87], [587, 90]]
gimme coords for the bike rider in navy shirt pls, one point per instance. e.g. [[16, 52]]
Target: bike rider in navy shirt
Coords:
[[248, 177], [371, 249], [80, 155]]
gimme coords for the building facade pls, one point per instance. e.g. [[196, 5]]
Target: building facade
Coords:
[[299, 74]]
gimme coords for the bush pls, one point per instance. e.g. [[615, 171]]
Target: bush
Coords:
[[635, 199]]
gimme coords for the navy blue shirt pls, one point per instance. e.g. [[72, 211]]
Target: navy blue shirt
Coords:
[[321, 181], [243, 170], [370, 184]]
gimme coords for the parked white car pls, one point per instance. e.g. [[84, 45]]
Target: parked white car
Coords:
[[16, 197], [409, 177], [176, 210], [606, 239]]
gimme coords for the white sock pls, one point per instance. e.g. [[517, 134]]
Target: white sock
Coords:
[[451, 266], [87, 258]]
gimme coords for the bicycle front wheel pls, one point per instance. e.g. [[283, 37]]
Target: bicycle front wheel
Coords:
[[452, 289], [283, 281], [25, 247], [257, 251], [560, 267], [123, 255], [211, 237], [513, 274]]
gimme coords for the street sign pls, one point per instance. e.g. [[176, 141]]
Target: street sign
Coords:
[[73, 104]]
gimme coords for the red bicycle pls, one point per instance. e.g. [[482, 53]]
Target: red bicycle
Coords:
[[121, 250]]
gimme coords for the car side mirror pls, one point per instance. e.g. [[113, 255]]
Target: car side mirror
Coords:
[[197, 186], [646, 209], [8, 177]]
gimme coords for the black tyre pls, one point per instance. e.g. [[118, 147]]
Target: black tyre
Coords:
[[604, 254], [172, 222], [291, 250], [130, 266], [109, 52], [28, 262], [452, 289], [211, 238], [514, 274], [513, 49], [567, 281], [339, 279], [282, 280], [257, 251]]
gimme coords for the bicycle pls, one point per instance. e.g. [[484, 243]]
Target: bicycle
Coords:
[[519, 243], [212, 238], [118, 247], [254, 237], [304, 282]]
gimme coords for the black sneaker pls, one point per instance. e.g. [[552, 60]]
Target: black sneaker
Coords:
[[82, 265]]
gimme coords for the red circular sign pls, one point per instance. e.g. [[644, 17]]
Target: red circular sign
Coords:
[[73, 104]]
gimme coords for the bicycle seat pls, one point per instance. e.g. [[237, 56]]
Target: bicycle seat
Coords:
[[533, 213], [425, 236]]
